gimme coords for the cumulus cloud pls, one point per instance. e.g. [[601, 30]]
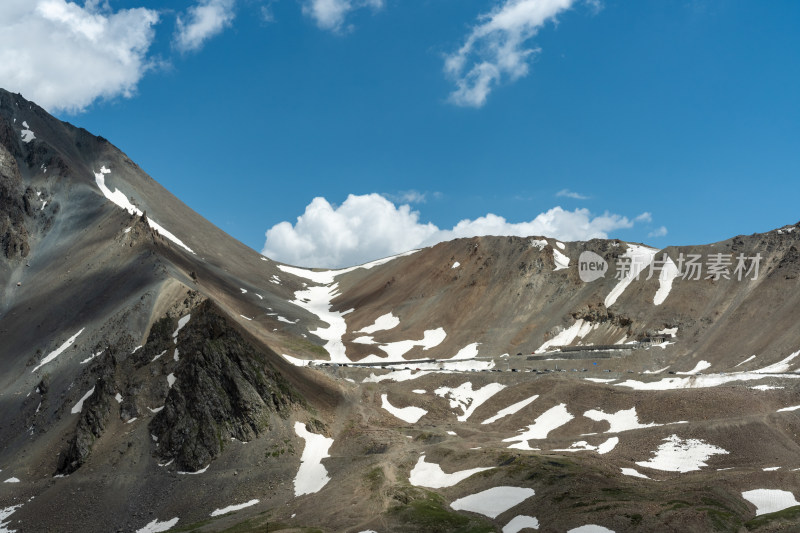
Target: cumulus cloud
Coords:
[[367, 227], [64, 56], [202, 21], [660, 232], [497, 48], [566, 193], [331, 14]]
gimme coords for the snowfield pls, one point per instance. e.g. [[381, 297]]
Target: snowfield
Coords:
[[681, 455], [494, 501], [770, 500], [312, 475], [553, 418], [408, 414], [466, 399], [432, 476]]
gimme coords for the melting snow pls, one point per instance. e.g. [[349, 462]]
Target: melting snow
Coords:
[[785, 409], [4, 514], [364, 339], [701, 365], [119, 198], [89, 359], [747, 360], [158, 356], [518, 523], [312, 475], [468, 400], [201, 471], [181, 323], [561, 260], [539, 244], [633, 472], [244, 291], [765, 387], [665, 278], [119, 398], [640, 258], [158, 527], [696, 382], [409, 414], [418, 391], [578, 330], [79, 406], [560, 245], [171, 380], [430, 339], [624, 420], [232, 508], [432, 476], [510, 410], [382, 323], [27, 134], [779, 367], [456, 265], [583, 446], [770, 500], [58, 351], [494, 501], [682, 455], [11, 480], [246, 318], [591, 528], [553, 418]]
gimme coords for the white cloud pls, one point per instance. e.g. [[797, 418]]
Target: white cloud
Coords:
[[64, 56], [644, 217], [367, 227], [331, 14], [497, 48], [408, 197], [660, 232], [203, 21], [571, 194]]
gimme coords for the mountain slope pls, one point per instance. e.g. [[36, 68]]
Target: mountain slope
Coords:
[[157, 373]]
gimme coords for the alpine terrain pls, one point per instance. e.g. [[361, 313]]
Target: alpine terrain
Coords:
[[158, 375]]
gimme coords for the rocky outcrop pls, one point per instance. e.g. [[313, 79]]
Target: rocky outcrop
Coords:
[[13, 235], [93, 417], [224, 387]]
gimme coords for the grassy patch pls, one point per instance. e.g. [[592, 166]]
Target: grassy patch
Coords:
[[425, 511], [791, 516]]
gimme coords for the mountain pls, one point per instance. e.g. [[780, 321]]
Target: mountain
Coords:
[[159, 374]]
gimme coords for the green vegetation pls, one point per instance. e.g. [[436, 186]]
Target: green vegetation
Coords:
[[790, 516], [426, 511]]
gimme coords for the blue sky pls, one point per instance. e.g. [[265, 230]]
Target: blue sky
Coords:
[[683, 114]]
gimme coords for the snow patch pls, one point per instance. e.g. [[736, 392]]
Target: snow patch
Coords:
[[408, 414], [699, 367], [682, 455], [591, 528], [382, 323], [117, 197], [583, 446], [233, 508], [520, 522], [465, 398], [158, 527], [511, 409], [312, 475], [493, 502], [561, 260], [624, 420], [578, 330], [770, 500], [665, 278], [456, 265], [58, 351], [79, 406], [553, 418], [640, 258], [432, 476], [633, 472]]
